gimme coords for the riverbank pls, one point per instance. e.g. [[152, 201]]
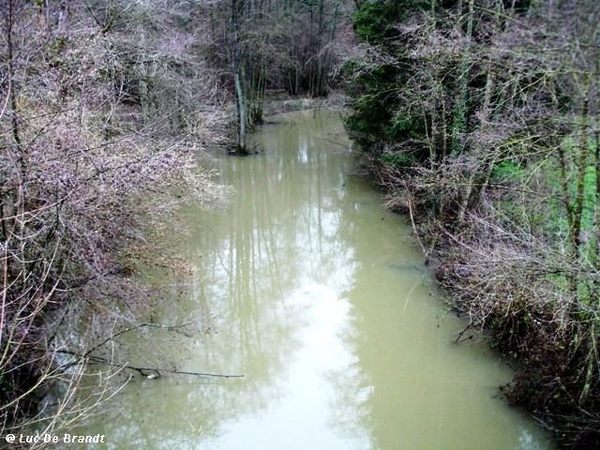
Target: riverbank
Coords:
[[277, 102], [499, 283], [85, 163], [488, 140]]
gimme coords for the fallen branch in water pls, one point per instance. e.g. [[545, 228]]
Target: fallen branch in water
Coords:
[[133, 328], [344, 145], [458, 339], [88, 353], [416, 232], [148, 372], [156, 372]]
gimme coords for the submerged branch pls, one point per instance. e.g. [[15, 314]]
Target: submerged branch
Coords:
[[156, 372]]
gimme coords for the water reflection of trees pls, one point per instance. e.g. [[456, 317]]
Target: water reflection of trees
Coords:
[[280, 232], [298, 220], [283, 229]]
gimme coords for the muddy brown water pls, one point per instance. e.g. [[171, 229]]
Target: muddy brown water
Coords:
[[319, 298]]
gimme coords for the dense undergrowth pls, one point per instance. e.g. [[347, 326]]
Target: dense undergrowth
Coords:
[[480, 118], [88, 154]]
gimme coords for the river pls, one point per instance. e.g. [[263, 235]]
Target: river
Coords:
[[319, 297]]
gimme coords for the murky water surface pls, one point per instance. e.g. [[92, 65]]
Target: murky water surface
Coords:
[[318, 296]]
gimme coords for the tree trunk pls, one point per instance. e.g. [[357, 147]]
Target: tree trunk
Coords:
[[241, 112], [237, 64], [460, 108]]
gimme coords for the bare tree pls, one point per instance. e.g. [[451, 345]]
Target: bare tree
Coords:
[[82, 159]]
